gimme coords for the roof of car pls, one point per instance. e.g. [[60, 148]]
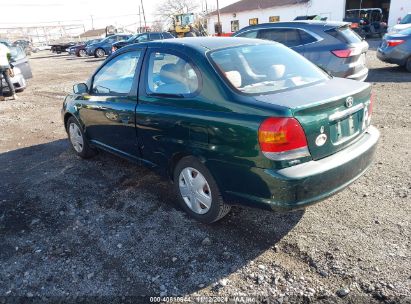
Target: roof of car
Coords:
[[208, 43], [298, 23]]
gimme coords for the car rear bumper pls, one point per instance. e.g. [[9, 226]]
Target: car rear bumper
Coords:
[[302, 185], [359, 76], [392, 56], [18, 81]]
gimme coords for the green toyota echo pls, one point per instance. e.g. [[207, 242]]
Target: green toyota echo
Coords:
[[229, 120]]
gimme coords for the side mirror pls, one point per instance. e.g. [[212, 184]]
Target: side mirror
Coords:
[[80, 88]]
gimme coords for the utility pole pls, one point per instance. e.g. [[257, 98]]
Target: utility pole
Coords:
[[144, 16], [92, 22], [139, 18], [220, 29]]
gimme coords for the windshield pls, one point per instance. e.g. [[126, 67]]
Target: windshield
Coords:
[[17, 53], [265, 68], [406, 19]]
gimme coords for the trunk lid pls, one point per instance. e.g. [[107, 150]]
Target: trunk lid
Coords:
[[334, 109]]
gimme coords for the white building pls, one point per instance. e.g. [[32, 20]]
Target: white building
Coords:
[[245, 12]]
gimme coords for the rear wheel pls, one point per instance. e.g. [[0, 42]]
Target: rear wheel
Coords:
[[408, 65], [198, 192], [78, 141], [82, 53], [99, 53]]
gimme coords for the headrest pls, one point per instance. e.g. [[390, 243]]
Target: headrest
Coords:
[[234, 77], [170, 73], [278, 71]]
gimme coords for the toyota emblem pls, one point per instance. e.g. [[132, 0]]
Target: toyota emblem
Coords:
[[349, 102]]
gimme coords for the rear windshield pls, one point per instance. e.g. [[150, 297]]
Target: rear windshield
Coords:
[[265, 68], [406, 19], [345, 35]]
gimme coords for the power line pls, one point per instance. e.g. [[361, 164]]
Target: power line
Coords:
[[71, 20]]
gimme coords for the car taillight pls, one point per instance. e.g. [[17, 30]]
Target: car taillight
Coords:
[[347, 52], [282, 138], [371, 104], [395, 42]]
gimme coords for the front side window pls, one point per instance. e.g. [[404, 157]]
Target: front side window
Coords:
[[116, 76], [265, 68], [170, 74], [142, 38]]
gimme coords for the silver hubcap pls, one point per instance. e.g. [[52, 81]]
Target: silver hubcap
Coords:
[[195, 190], [100, 53], [76, 137]]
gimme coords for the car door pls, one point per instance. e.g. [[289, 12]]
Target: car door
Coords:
[[169, 86], [288, 36], [108, 111], [20, 60]]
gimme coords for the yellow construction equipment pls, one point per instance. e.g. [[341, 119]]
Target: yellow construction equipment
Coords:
[[186, 25]]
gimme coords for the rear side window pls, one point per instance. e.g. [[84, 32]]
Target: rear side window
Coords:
[[249, 34], [345, 35], [288, 37], [155, 36], [167, 35], [171, 75], [306, 37]]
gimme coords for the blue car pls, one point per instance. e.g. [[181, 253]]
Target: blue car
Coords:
[[103, 48], [396, 48]]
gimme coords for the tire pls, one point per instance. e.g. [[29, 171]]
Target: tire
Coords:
[[408, 65], [82, 53], [194, 183], [99, 53], [78, 140]]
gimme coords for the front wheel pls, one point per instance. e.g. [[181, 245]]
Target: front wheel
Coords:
[[82, 53], [78, 141], [197, 191], [99, 53]]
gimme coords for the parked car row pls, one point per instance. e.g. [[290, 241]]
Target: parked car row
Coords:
[[105, 47]]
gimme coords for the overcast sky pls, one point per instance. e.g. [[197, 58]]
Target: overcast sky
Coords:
[[104, 12]]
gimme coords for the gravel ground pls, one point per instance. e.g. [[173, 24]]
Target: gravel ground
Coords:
[[107, 228]]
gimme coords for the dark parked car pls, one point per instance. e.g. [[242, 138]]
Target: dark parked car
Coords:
[[396, 48], [331, 45], [104, 47], [142, 37], [80, 49], [229, 120], [59, 48]]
